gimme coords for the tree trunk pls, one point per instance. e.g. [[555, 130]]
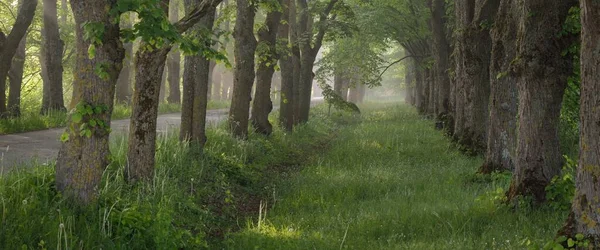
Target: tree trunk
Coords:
[[195, 88], [296, 57], [174, 60], [541, 73], [15, 77], [262, 105], [216, 79], [441, 54], [432, 92], [124, 82], [53, 48], [150, 66], [409, 78], [11, 43], [474, 44], [286, 102], [419, 87], [245, 46], [82, 159], [501, 143], [585, 217]]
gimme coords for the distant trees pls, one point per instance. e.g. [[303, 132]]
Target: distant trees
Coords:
[[52, 48], [9, 45]]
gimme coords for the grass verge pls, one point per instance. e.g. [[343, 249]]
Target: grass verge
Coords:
[[193, 201], [393, 182]]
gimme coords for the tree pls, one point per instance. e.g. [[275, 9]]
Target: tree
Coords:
[[9, 45], [15, 77], [501, 143], [195, 84], [441, 54], [309, 47], [245, 46], [286, 102], [473, 48], [174, 60], [541, 73], [53, 51], [149, 67], [84, 153], [267, 59], [584, 217], [123, 91]]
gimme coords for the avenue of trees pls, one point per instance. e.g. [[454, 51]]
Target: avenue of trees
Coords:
[[503, 78]]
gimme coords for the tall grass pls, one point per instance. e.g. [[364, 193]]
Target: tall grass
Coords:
[[393, 182], [195, 196]]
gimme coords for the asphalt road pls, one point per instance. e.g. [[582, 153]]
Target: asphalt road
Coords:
[[42, 146]]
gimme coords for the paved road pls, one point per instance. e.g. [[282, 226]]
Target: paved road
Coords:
[[42, 146]]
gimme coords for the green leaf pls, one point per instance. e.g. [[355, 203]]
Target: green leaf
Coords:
[[88, 133], [92, 51], [579, 236], [93, 122], [64, 137], [558, 247], [561, 239], [570, 242], [76, 117]]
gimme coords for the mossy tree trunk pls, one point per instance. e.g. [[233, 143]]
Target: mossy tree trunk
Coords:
[[262, 104], [245, 47], [541, 72], [501, 143], [150, 65], [585, 216], [10, 44], [82, 159], [474, 18], [53, 51]]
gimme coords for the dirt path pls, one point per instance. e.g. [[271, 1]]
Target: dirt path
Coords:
[[42, 146]]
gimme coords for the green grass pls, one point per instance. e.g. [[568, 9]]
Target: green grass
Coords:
[[393, 182], [31, 120], [194, 199]]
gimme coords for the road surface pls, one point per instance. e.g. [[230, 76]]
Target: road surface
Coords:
[[42, 146]]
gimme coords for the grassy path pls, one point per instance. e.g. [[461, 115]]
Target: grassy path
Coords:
[[393, 182]]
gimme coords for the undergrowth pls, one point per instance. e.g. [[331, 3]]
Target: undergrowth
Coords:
[[194, 199]]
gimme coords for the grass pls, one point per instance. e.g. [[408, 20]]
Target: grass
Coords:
[[192, 202], [393, 182], [386, 180], [31, 120]]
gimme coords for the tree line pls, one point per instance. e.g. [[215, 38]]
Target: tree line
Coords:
[[496, 75]]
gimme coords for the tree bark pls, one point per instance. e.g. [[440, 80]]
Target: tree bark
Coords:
[[245, 46], [501, 143], [174, 60], [409, 82], [10, 45], [585, 217], [53, 48], [474, 44], [15, 77], [441, 54], [123, 91], [150, 66], [262, 105], [296, 57], [541, 73], [195, 87], [82, 159], [286, 102]]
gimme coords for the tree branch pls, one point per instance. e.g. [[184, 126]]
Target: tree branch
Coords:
[[323, 27], [195, 15]]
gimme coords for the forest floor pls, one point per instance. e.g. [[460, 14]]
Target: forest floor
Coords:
[[392, 181]]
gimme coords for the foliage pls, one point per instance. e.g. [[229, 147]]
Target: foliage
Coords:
[[561, 190], [194, 197]]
